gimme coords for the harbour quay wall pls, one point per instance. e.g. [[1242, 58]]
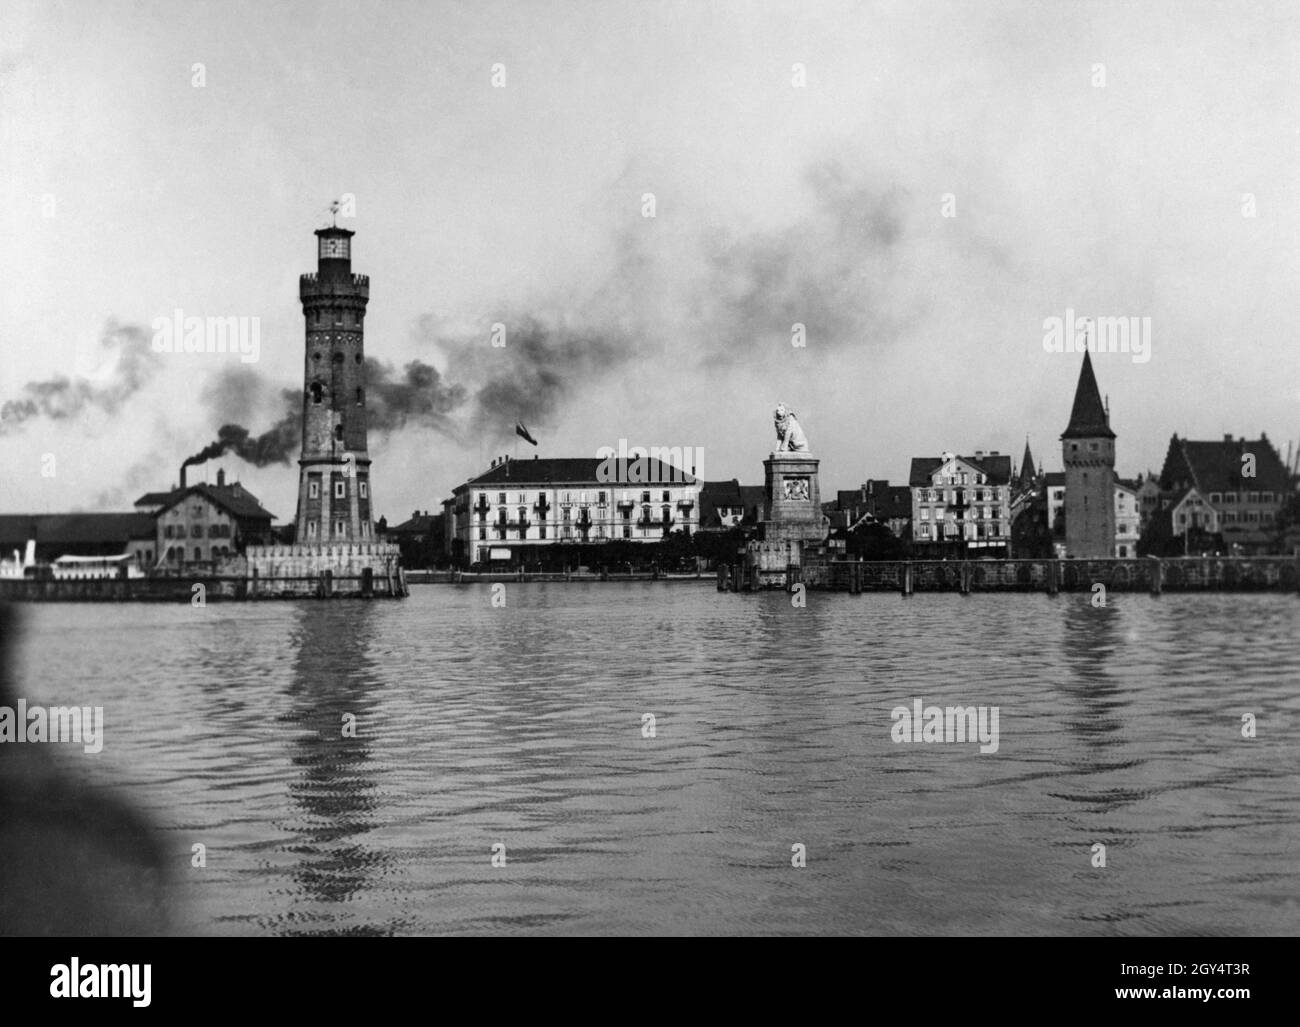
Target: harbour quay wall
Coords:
[[1181, 574], [365, 569], [357, 570]]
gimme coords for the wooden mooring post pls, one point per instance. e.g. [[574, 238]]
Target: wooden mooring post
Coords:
[[1053, 578], [1157, 575], [724, 577], [963, 578], [908, 580]]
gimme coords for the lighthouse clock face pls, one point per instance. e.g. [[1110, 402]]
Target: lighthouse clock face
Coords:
[[336, 247]]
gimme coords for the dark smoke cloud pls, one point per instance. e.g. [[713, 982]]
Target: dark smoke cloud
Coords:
[[417, 396], [528, 379], [278, 445], [835, 271], [61, 398], [845, 268]]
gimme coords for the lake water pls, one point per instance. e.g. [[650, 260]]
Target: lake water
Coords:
[[523, 726]]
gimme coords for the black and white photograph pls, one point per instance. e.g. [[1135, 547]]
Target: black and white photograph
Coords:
[[651, 469]]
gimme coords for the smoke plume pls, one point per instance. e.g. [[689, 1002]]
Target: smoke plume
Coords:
[[62, 397]]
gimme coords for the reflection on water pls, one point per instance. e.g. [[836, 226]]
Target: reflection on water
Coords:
[[474, 725]]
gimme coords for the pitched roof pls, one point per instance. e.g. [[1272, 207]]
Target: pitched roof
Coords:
[[1217, 466], [154, 498], [573, 470], [421, 523], [1054, 478], [234, 499], [74, 528], [997, 468], [1088, 418]]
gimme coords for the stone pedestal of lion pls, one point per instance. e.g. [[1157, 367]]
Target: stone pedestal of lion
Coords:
[[792, 510]]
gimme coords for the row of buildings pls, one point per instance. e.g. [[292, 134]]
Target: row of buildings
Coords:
[[1225, 495]]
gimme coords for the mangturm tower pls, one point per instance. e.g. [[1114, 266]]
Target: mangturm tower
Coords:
[[334, 500], [1088, 449]]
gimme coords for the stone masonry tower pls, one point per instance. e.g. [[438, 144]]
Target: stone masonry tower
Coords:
[[334, 501], [1088, 450]]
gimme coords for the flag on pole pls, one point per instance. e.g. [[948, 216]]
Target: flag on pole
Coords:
[[522, 432]]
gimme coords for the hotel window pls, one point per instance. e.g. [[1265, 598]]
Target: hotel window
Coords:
[[627, 531], [340, 490], [196, 531], [667, 498], [482, 534], [501, 498], [313, 490], [541, 531], [1253, 497], [925, 513], [568, 532], [1266, 497], [600, 498], [645, 497], [1216, 497]]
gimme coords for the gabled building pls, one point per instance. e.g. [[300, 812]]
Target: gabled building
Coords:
[[1088, 451], [728, 504], [1242, 480], [961, 504], [207, 523]]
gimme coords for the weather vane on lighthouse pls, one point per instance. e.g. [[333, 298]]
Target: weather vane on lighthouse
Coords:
[[334, 213]]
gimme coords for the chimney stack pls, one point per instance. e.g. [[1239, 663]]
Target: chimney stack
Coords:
[[221, 477], [182, 475]]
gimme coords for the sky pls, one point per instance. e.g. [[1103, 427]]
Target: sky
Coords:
[[920, 185]]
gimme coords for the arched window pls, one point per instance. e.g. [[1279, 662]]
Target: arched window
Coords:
[[317, 392], [361, 397]]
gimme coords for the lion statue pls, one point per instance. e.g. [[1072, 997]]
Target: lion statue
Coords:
[[789, 436]]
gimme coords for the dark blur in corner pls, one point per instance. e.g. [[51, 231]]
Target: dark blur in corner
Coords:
[[72, 862]]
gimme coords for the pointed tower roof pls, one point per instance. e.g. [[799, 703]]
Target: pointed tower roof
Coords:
[[1088, 419], [1027, 462]]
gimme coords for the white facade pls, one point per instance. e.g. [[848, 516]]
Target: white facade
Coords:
[[958, 488], [1128, 520], [538, 514]]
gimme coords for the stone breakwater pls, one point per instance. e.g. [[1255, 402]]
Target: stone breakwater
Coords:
[[344, 570], [1183, 574]]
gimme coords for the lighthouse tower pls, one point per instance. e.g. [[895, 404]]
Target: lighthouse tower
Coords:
[[334, 500]]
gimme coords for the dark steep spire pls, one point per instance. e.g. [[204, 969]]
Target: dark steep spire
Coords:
[[1088, 419], [1026, 464]]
